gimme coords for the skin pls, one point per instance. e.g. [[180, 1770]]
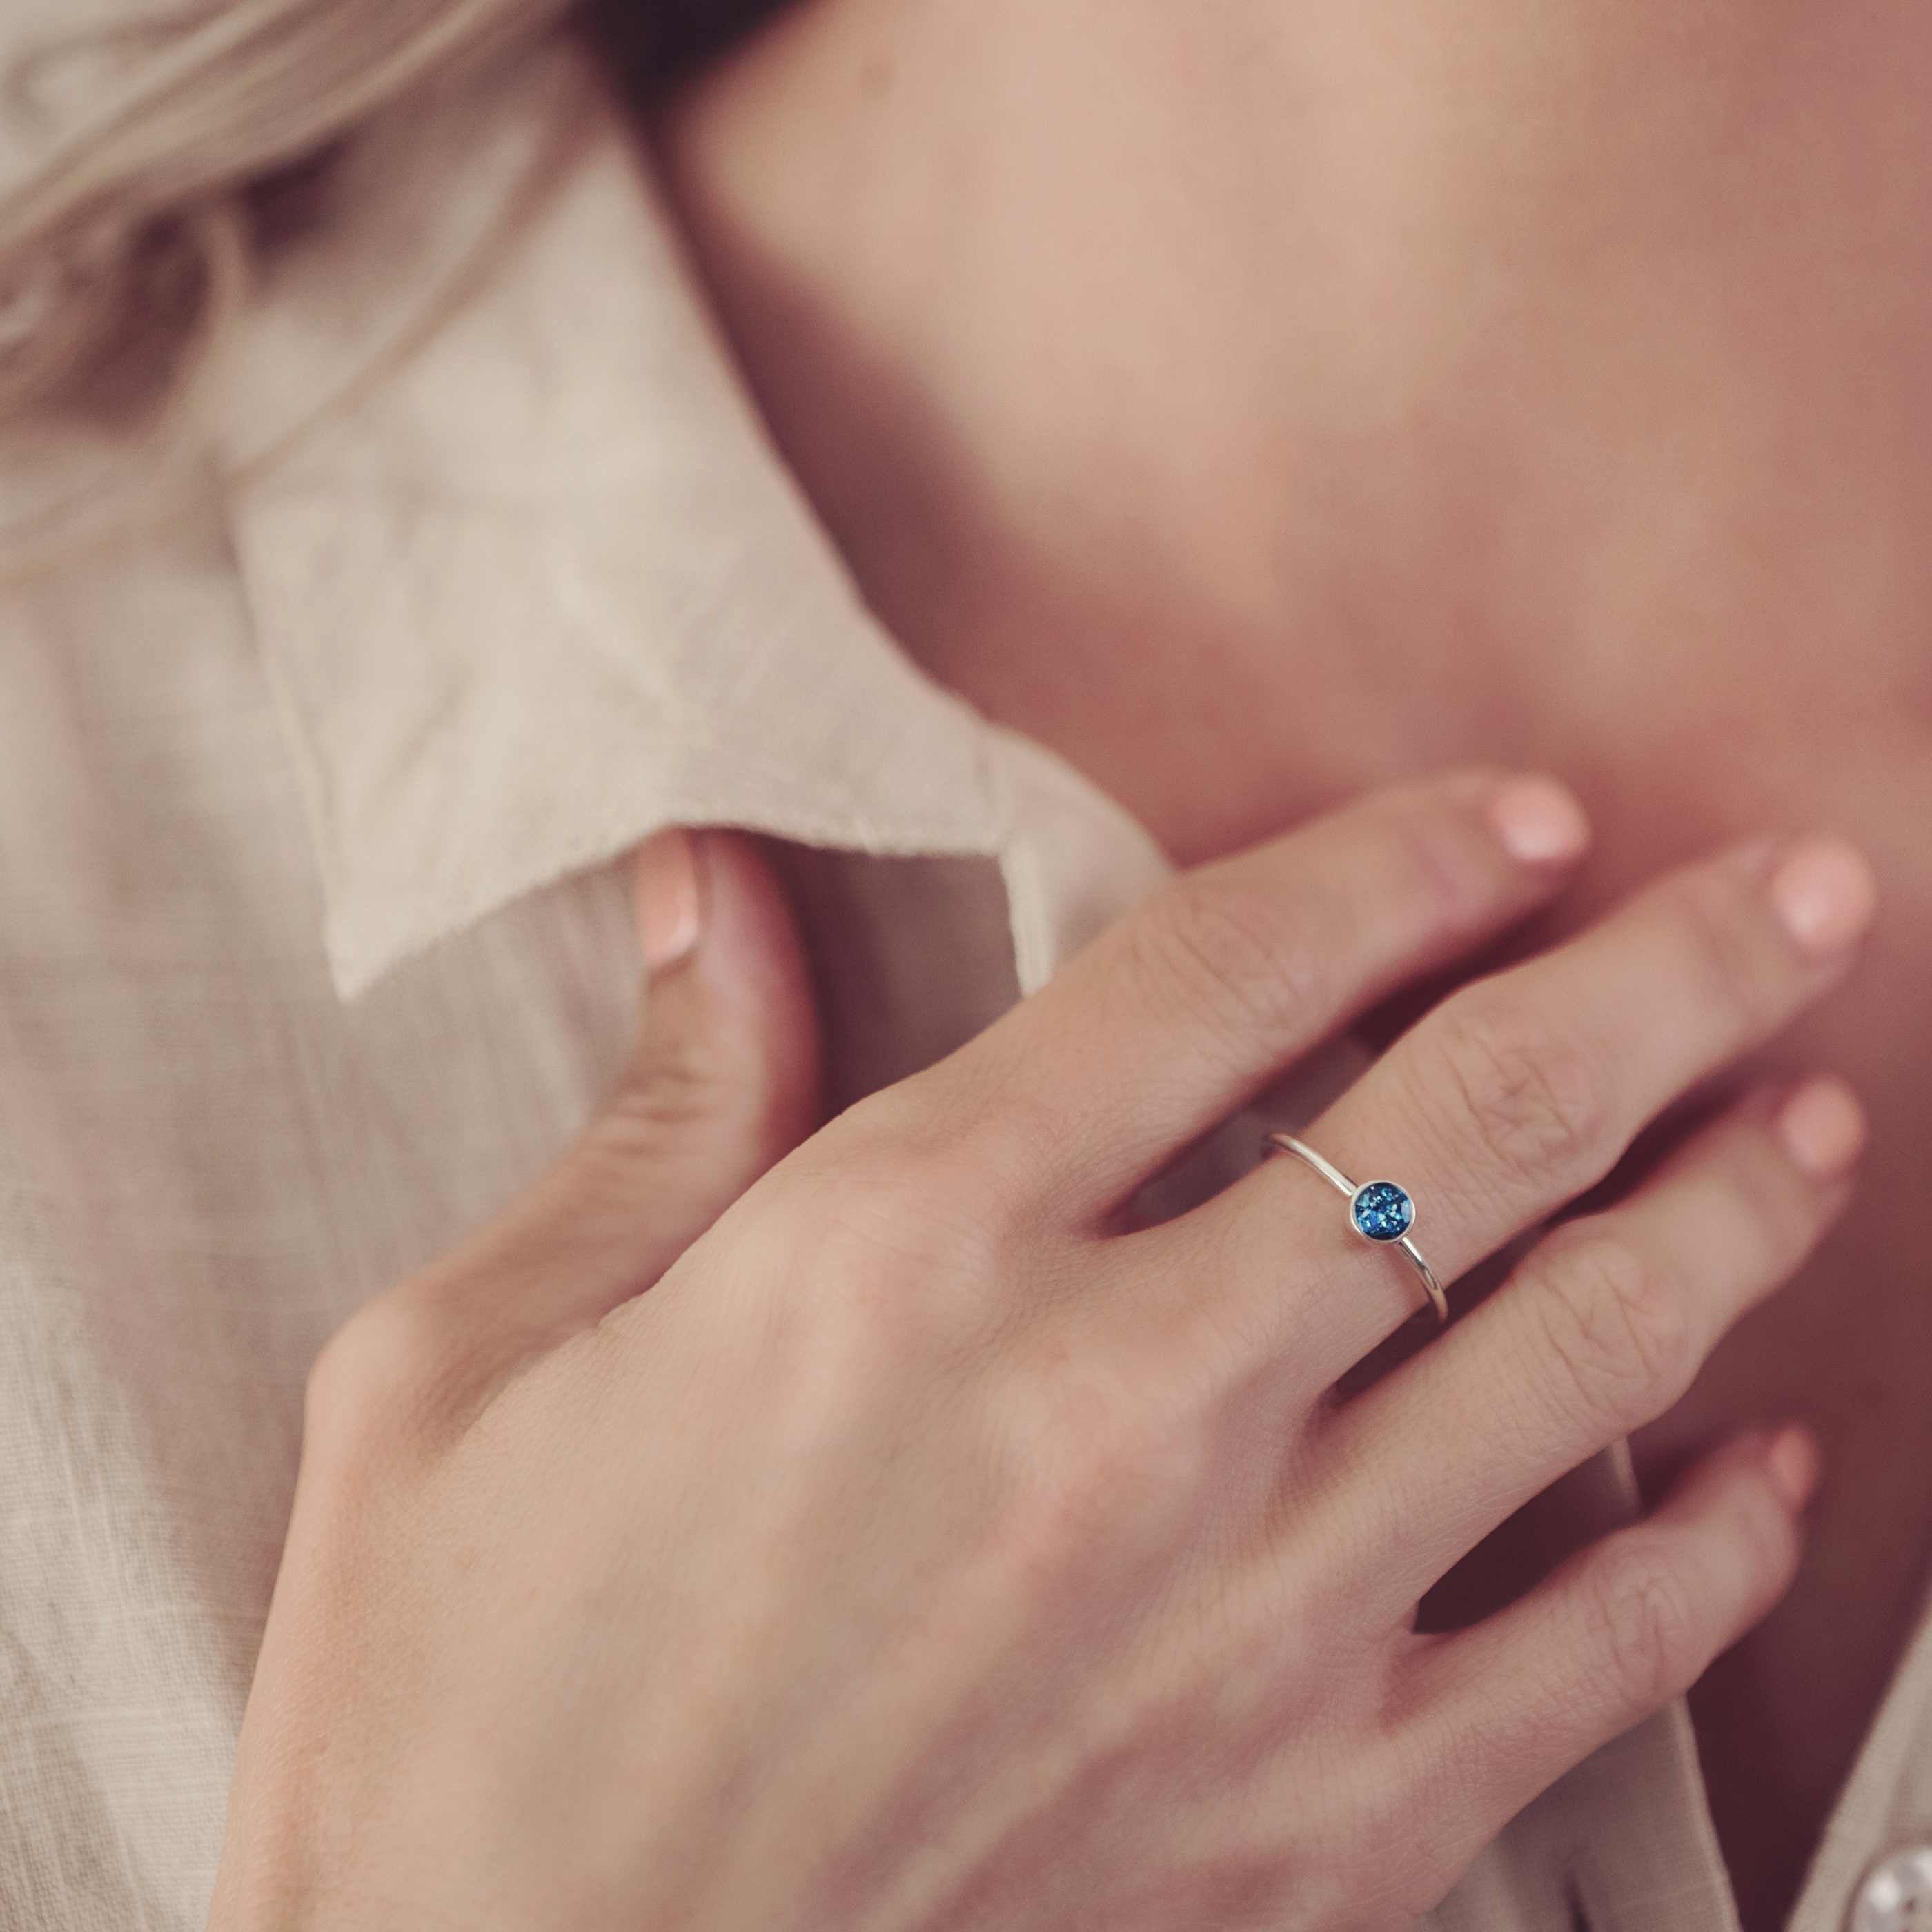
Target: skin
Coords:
[[1257, 403], [929, 1599]]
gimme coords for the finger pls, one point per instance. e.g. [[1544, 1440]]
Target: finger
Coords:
[[1500, 1711], [1521, 1091], [725, 1077], [1195, 1002], [1600, 1330], [723, 1080]]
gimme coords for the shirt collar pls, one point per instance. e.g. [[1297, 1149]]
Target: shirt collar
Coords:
[[534, 582]]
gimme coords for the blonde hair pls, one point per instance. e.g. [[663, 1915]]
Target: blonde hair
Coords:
[[136, 219], [125, 254], [126, 251]]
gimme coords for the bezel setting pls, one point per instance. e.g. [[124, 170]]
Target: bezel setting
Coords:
[[1381, 1211]]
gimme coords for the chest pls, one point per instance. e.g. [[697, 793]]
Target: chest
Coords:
[[1674, 760]]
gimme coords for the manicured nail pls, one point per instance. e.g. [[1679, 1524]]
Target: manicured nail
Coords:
[[1822, 1126], [1793, 1462], [1825, 893], [1539, 820], [670, 904]]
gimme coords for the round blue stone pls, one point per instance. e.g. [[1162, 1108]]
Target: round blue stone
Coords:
[[1382, 1210]]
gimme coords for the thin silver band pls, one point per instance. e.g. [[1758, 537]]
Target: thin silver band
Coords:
[[1277, 1142]]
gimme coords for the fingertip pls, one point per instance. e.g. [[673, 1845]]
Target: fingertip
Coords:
[[1821, 1126], [1539, 820], [1794, 1462], [1826, 893], [667, 888]]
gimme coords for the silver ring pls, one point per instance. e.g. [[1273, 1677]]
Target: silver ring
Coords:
[[1378, 1211]]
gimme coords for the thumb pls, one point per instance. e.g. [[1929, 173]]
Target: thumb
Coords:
[[725, 1077], [723, 1080]]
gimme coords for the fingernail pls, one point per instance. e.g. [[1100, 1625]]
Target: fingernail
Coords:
[[1793, 1462], [1539, 820], [669, 908], [1825, 893], [1822, 1126]]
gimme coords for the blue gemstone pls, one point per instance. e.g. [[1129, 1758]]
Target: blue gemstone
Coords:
[[1382, 1211]]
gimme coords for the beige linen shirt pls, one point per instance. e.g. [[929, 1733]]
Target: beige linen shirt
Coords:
[[312, 948]]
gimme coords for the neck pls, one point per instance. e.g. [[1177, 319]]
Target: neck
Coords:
[[1468, 368]]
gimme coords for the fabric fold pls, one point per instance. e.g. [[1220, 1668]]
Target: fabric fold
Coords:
[[509, 642]]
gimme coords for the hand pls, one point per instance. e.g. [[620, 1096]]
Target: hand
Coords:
[[923, 1551]]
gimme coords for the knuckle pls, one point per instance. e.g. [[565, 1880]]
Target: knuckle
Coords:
[[1535, 1102], [900, 1115], [893, 1264], [678, 1091], [957, 1136], [1213, 950], [1397, 1861], [901, 1224], [1381, 1807], [996, 1146], [1650, 1633], [1421, 1821], [916, 1205], [377, 1378], [1715, 920], [1101, 1464], [1769, 1224], [1436, 859], [689, 1116], [1614, 1328], [1770, 1543]]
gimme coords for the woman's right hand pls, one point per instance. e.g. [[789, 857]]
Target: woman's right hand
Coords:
[[926, 1549]]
